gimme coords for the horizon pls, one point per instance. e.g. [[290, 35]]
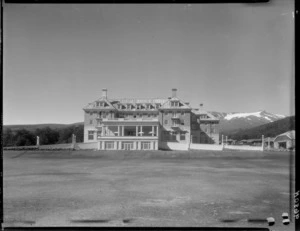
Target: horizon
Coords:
[[230, 57], [193, 108]]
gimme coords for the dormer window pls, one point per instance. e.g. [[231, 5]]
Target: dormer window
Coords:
[[97, 104], [120, 106], [157, 105], [174, 104], [101, 104]]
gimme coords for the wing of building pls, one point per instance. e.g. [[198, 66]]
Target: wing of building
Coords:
[[285, 140], [141, 124]]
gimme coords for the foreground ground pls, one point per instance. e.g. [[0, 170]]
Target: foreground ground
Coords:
[[155, 188]]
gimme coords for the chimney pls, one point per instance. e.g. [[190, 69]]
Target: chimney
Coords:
[[104, 93], [201, 106], [174, 90]]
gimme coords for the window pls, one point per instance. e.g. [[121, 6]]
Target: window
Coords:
[[182, 136], [101, 104], [97, 104], [91, 113], [182, 113], [91, 121], [120, 106], [174, 104], [166, 121], [127, 145], [109, 145], [175, 123], [166, 113], [104, 114], [166, 135], [149, 115], [145, 145], [99, 134], [90, 135], [182, 122]]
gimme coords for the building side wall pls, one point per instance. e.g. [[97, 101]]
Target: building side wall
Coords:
[[166, 121]]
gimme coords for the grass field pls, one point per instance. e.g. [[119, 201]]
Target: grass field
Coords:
[[155, 188]]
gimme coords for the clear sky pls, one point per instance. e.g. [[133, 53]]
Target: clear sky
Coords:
[[230, 57]]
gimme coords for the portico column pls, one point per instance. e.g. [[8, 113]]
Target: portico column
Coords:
[[119, 131], [141, 130], [102, 132], [152, 130], [122, 130], [156, 130], [137, 130]]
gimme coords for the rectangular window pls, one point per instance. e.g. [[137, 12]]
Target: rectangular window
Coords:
[[90, 135], [166, 121], [98, 134], [91, 113], [182, 113], [127, 145], [166, 135], [175, 123], [149, 115], [104, 115], [182, 136], [109, 145], [97, 104], [145, 145], [166, 113]]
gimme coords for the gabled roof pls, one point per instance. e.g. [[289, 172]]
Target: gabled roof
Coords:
[[201, 112], [167, 104], [139, 101], [102, 99], [291, 134]]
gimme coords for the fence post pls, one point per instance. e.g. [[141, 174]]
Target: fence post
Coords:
[[38, 141], [73, 141]]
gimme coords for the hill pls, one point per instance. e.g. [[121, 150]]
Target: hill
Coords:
[[268, 130], [233, 122], [33, 127]]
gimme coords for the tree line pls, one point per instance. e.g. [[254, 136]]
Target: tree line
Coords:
[[268, 130], [23, 137]]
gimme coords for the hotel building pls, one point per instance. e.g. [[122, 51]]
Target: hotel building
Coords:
[[143, 124]]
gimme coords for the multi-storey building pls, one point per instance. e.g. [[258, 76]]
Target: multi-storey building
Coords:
[[142, 124]]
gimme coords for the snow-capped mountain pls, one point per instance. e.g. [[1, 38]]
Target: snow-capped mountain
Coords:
[[236, 120]]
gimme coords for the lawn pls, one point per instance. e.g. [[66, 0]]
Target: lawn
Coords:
[[155, 188]]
